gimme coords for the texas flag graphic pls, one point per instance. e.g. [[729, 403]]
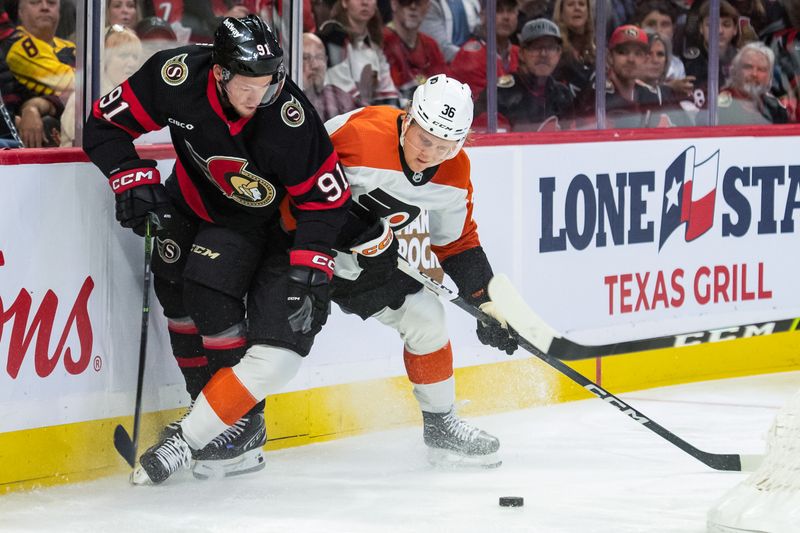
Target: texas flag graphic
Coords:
[[690, 190]]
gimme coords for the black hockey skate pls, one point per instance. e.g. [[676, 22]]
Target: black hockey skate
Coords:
[[162, 460], [453, 442], [237, 450]]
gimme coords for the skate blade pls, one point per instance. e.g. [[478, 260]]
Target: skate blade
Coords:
[[448, 459], [139, 476], [247, 463]]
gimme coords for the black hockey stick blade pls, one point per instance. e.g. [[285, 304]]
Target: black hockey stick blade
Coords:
[[728, 462], [124, 445]]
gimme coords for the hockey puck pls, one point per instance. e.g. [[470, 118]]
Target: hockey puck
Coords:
[[511, 501]]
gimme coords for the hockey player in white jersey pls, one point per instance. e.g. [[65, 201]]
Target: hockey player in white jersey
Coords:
[[399, 164]]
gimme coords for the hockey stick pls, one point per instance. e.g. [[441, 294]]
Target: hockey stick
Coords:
[[528, 334], [569, 350], [125, 445]]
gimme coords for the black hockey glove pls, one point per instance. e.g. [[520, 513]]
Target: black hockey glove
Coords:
[[138, 189], [496, 333], [376, 250], [308, 299]]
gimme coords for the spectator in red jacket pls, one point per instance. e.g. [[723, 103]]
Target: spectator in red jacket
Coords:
[[412, 55], [469, 64]]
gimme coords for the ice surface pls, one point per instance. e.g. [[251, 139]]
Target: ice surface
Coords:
[[581, 467]]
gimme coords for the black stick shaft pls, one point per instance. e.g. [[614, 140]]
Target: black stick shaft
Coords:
[[137, 413], [731, 462]]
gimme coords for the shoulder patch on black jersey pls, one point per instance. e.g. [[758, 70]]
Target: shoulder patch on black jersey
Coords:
[[175, 71], [292, 113]]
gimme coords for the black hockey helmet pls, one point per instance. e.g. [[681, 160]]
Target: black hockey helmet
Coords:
[[247, 47]]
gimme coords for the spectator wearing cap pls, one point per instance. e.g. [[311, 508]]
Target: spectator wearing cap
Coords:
[[746, 99], [451, 23], [469, 65], [327, 99], [531, 99], [412, 55], [43, 66], [629, 102], [156, 34]]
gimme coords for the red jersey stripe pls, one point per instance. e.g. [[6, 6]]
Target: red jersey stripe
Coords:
[[307, 185], [141, 116], [190, 192], [191, 362]]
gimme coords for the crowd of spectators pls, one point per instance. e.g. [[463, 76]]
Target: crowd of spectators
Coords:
[[367, 52]]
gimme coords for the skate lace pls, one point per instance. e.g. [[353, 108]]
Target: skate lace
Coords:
[[176, 423], [460, 428], [230, 433], [174, 453]]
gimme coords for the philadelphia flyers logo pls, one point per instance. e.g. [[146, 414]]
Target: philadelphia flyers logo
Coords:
[[292, 113], [175, 71], [232, 177]]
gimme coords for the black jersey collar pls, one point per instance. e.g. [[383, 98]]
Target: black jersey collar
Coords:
[[234, 126], [415, 178]]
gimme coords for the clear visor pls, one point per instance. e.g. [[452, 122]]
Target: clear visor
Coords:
[[244, 88], [429, 144]]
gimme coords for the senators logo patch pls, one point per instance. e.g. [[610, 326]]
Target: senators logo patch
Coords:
[[292, 113], [168, 250], [174, 72], [232, 177]]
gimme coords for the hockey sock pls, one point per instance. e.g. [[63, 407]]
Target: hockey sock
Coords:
[[432, 376], [232, 392], [225, 350], [187, 347]]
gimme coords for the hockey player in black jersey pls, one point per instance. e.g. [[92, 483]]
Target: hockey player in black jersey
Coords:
[[245, 137]]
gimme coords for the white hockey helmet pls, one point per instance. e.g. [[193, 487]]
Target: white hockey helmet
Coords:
[[443, 107]]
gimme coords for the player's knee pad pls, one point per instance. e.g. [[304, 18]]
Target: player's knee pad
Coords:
[[212, 311], [225, 348], [170, 296], [420, 322], [267, 369]]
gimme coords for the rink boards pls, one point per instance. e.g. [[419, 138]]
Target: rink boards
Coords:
[[608, 241]]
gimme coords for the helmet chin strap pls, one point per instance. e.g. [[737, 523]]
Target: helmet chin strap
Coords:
[[404, 128]]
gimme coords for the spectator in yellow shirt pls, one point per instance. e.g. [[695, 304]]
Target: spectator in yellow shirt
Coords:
[[43, 66]]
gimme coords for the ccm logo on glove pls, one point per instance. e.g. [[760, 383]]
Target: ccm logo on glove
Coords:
[[312, 259], [380, 247], [127, 179]]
